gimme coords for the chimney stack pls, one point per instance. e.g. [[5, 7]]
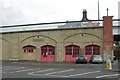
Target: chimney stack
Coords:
[[84, 15]]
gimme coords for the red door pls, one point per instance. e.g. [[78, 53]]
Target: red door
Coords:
[[70, 53], [47, 53], [91, 50]]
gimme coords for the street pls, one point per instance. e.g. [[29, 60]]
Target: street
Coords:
[[57, 70]]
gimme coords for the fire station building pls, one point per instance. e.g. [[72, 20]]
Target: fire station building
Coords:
[[60, 44]]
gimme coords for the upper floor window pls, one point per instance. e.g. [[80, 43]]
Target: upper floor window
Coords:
[[48, 50], [72, 50], [92, 50], [29, 49]]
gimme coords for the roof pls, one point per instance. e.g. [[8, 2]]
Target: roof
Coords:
[[69, 25]]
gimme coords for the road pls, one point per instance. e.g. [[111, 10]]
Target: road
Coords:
[[57, 70]]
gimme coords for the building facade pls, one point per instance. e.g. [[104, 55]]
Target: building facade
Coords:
[[59, 45]]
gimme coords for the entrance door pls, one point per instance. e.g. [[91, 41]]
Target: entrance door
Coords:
[[47, 53], [91, 50], [70, 53]]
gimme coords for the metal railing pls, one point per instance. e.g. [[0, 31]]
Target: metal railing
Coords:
[[116, 22]]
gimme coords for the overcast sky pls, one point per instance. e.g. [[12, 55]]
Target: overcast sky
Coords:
[[39, 11]]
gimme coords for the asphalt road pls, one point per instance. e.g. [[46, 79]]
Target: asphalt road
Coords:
[[57, 70]]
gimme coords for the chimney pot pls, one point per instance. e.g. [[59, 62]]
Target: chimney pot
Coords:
[[84, 15]]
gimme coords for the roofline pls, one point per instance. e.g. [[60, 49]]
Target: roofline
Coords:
[[22, 25], [51, 23], [52, 29]]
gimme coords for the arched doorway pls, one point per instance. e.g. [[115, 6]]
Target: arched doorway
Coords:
[[70, 53], [91, 50], [47, 53], [28, 52]]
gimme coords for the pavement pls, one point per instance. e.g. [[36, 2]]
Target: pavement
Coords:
[[38, 70]]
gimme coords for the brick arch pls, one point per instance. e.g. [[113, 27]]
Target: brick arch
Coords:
[[47, 45], [29, 46], [38, 35], [72, 45], [5, 53], [5, 40], [82, 34]]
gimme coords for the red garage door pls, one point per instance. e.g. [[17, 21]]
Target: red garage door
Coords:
[[91, 50], [47, 53], [70, 53]]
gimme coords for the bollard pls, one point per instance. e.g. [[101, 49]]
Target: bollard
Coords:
[[108, 64]]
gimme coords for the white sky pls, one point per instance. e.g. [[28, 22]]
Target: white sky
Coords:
[[39, 11]]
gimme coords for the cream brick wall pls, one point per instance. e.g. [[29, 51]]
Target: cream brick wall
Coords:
[[58, 38]]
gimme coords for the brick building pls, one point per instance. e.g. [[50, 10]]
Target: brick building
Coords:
[[60, 44]]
